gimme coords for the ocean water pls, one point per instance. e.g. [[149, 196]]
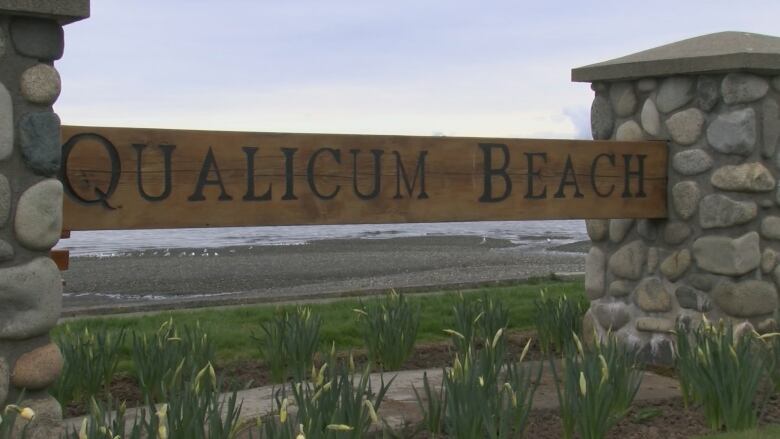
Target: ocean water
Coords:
[[531, 234]]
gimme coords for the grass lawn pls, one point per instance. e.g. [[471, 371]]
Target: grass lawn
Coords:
[[231, 329], [771, 432]]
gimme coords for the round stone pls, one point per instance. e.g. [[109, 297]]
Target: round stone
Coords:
[[39, 139], [707, 92], [6, 123], [674, 93], [651, 120], [771, 125], [623, 99], [6, 251], [685, 198], [629, 131], [601, 118], [770, 227], [746, 299], [738, 88], [734, 132], [718, 210], [747, 177], [629, 261], [39, 38], [4, 380], [689, 298], [37, 369], [676, 232], [768, 260], [610, 315], [705, 282], [654, 324], [595, 273], [38, 221], [41, 84], [723, 255], [591, 331], [47, 422], [685, 126], [647, 229], [5, 200], [766, 326], [692, 162], [620, 288], [653, 255], [651, 296], [619, 228], [31, 295], [646, 85], [597, 229], [674, 266]]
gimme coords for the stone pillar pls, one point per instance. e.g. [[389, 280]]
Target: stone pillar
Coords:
[[716, 100], [31, 39]]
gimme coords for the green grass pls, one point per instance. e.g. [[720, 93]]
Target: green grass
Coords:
[[231, 328], [771, 432]]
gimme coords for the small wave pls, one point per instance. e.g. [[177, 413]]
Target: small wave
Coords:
[[114, 243]]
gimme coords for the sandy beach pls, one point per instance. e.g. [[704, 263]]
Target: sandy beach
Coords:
[[191, 277]]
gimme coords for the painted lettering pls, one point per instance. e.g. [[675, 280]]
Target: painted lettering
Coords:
[[167, 151], [101, 196], [489, 172], [569, 179], [639, 174], [533, 173], [289, 174], [250, 152], [593, 174], [377, 154], [419, 172], [209, 163], [336, 154]]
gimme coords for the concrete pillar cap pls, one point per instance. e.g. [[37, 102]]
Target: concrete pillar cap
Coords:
[[714, 53], [64, 11]]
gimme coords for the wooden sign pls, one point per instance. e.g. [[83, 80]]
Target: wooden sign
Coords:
[[129, 178]]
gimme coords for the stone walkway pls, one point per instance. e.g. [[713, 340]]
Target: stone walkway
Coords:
[[400, 405]]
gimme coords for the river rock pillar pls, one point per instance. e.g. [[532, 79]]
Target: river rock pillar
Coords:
[[715, 100], [31, 40]]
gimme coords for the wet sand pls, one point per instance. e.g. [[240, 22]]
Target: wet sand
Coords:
[[175, 278]]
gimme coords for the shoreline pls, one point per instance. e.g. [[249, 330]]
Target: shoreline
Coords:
[[195, 277]]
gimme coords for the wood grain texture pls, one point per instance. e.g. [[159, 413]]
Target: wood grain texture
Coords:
[[61, 258], [217, 179]]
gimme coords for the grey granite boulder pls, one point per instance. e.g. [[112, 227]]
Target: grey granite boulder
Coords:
[[602, 120], [628, 261], [692, 162], [747, 177], [734, 132], [32, 299], [674, 93], [746, 299], [37, 38], [738, 88], [723, 255], [39, 138], [38, 220]]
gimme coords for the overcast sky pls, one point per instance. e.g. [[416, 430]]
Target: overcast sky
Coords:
[[451, 67]]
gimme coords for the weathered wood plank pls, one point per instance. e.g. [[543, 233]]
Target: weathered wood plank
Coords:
[[61, 258], [216, 179]]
